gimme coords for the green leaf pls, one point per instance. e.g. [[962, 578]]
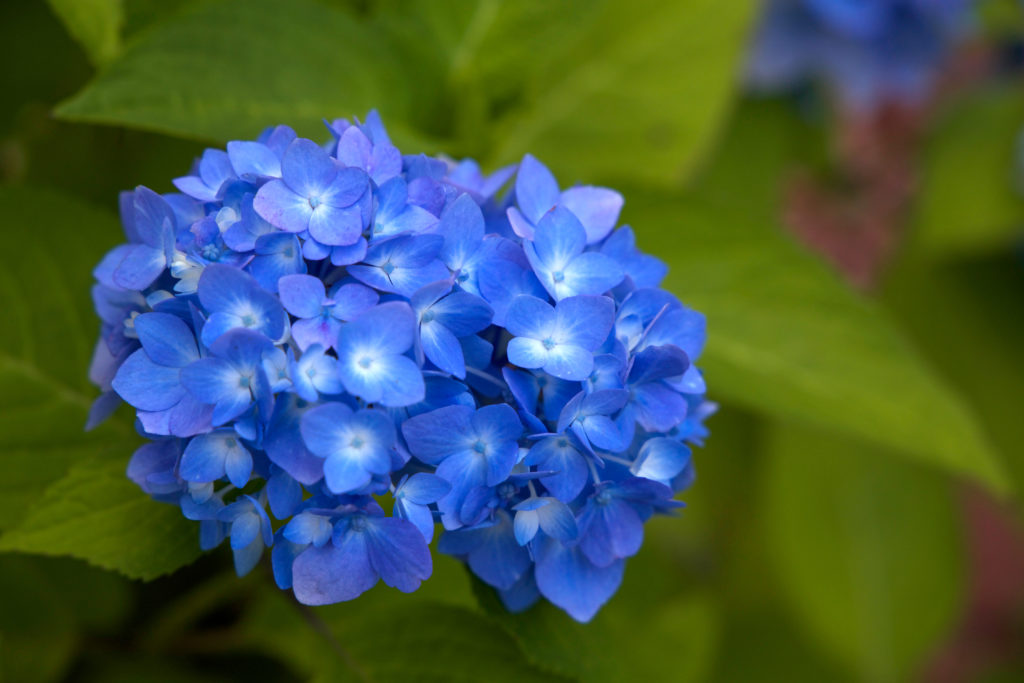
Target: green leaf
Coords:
[[97, 514], [989, 368], [868, 548], [95, 24], [227, 69], [38, 633], [45, 350], [48, 606], [655, 628], [786, 336], [637, 95], [403, 639], [971, 190]]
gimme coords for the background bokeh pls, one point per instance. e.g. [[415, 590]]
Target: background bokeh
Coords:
[[844, 203]]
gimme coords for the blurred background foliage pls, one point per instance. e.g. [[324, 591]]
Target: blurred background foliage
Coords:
[[857, 515]]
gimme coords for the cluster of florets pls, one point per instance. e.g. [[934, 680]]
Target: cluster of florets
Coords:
[[309, 327], [868, 52]]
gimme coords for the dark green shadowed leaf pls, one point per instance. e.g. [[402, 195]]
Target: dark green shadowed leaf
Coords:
[[652, 629], [47, 344], [638, 94], [868, 549], [48, 605], [227, 69], [95, 24], [386, 636]]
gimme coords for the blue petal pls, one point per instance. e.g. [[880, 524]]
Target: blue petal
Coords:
[[558, 454], [253, 159], [558, 239], [206, 455], [302, 295], [661, 459], [280, 206], [526, 525], [591, 273], [527, 353], [462, 225], [285, 447], [423, 488], [419, 515], [398, 553], [557, 520], [323, 427], [389, 328], [307, 169], [568, 579], [584, 321], [597, 208], [462, 313], [492, 551], [351, 300], [166, 339], [434, 436], [568, 362], [536, 188], [531, 317], [333, 573], [343, 474], [443, 349], [284, 495], [611, 531], [146, 385], [140, 266], [336, 226]]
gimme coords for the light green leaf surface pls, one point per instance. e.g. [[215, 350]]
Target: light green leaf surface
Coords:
[[97, 514], [226, 69], [64, 491], [394, 638], [95, 24], [786, 336], [868, 549], [638, 94], [972, 185], [47, 343]]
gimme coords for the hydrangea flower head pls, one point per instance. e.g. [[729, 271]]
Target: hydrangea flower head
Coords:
[[306, 329], [867, 51]]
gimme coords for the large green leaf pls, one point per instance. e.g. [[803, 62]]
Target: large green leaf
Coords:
[[226, 69], [48, 606], [95, 24], [971, 191], [371, 640], [868, 549], [657, 626], [45, 350], [637, 94], [786, 337], [973, 295], [97, 514], [62, 490]]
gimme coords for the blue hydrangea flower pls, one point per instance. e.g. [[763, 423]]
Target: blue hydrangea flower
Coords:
[[868, 52], [306, 329]]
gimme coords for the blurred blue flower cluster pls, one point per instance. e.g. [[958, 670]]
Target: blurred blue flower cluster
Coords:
[[306, 328], [867, 52]]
